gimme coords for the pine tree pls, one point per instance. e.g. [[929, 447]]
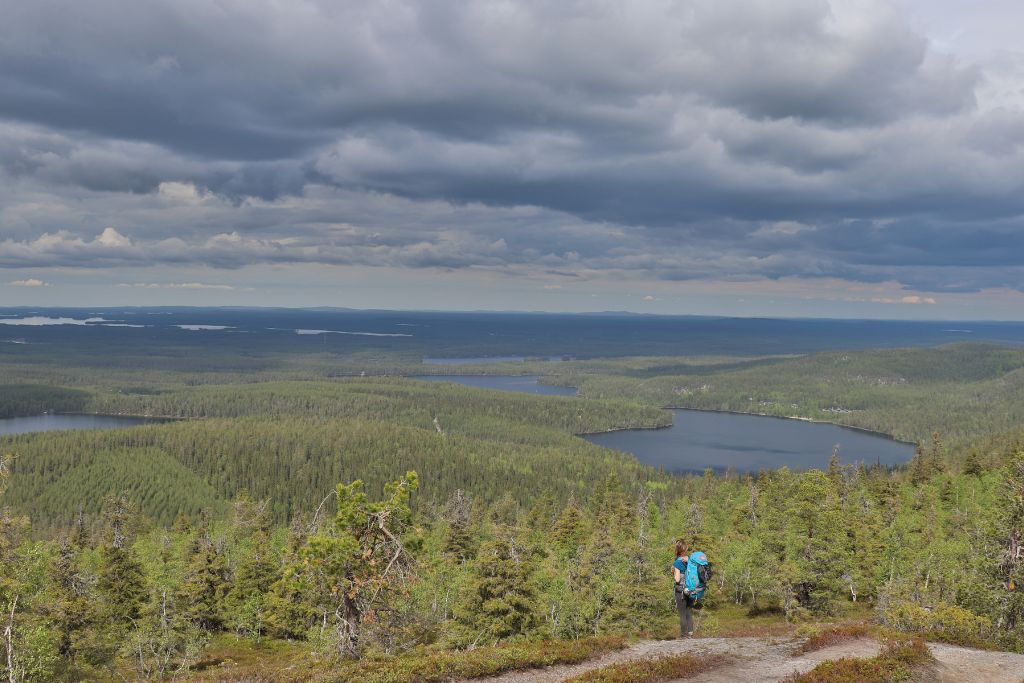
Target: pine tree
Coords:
[[1009, 538], [163, 644], [364, 557]]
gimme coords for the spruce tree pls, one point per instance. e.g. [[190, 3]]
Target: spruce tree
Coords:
[[289, 608], [568, 531], [972, 464], [71, 609], [920, 469], [641, 586], [937, 455], [201, 594], [460, 542], [501, 602], [121, 580], [245, 604]]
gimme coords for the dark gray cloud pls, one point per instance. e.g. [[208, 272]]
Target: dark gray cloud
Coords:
[[680, 140]]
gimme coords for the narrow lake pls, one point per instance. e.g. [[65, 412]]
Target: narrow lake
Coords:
[[50, 423], [483, 360], [699, 439], [522, 384]]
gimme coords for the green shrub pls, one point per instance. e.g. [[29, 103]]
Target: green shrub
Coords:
[[944, 622], [35, 655]]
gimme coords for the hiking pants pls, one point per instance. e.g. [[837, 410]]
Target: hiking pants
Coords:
[[684, 605]]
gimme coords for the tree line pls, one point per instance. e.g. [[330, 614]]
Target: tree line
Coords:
[[364, 573]]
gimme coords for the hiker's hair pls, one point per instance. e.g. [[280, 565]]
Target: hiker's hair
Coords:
[[680, 548]]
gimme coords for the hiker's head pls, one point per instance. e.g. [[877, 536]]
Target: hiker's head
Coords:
[[680, 548]]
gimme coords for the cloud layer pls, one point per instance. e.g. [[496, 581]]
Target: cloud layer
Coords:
[[659, 139]]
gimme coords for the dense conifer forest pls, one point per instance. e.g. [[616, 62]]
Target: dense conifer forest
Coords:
[[352, 523]]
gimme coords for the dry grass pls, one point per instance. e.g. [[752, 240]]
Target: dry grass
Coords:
[[896, 663], [650, 670]]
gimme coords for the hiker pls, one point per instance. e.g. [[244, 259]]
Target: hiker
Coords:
[[691, 574], [684, 603]]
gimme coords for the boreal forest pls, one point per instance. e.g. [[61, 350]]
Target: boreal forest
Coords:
[[312, 511]]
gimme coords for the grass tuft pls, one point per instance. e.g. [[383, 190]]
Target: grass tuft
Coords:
[[650, 670]]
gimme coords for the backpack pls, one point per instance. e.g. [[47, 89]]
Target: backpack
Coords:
[[698, 573]]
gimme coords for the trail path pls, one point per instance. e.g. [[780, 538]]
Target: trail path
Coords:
[[763, 660]]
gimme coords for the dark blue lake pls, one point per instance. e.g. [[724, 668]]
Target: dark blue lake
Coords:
[[524, 384], [699, 439], [50, 423]]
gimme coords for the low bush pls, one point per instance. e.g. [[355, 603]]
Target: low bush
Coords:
[[832, 635], [944, 622], [896, 663], [445, 665], [649, 670]]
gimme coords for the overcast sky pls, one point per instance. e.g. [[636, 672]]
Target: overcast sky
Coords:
[[738, 157]]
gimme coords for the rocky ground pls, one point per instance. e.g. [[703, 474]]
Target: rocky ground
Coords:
[[761, 660]]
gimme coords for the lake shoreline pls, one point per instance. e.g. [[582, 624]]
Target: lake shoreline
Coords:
[[811, 420]]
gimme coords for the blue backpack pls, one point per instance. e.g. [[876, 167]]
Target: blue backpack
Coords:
[[698, 572]]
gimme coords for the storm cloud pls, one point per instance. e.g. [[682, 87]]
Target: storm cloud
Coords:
[[676, 140]]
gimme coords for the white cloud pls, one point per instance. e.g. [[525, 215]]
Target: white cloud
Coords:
[[911, 299], [183, 285], [673, 140], [30, 282]]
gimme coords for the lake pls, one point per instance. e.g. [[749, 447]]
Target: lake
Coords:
[[484, 360], [522, 384], [699, 439], [50, 423]]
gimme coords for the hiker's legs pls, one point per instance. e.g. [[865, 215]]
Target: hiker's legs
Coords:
[[681, 609], [685, 608], [688, 616]]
